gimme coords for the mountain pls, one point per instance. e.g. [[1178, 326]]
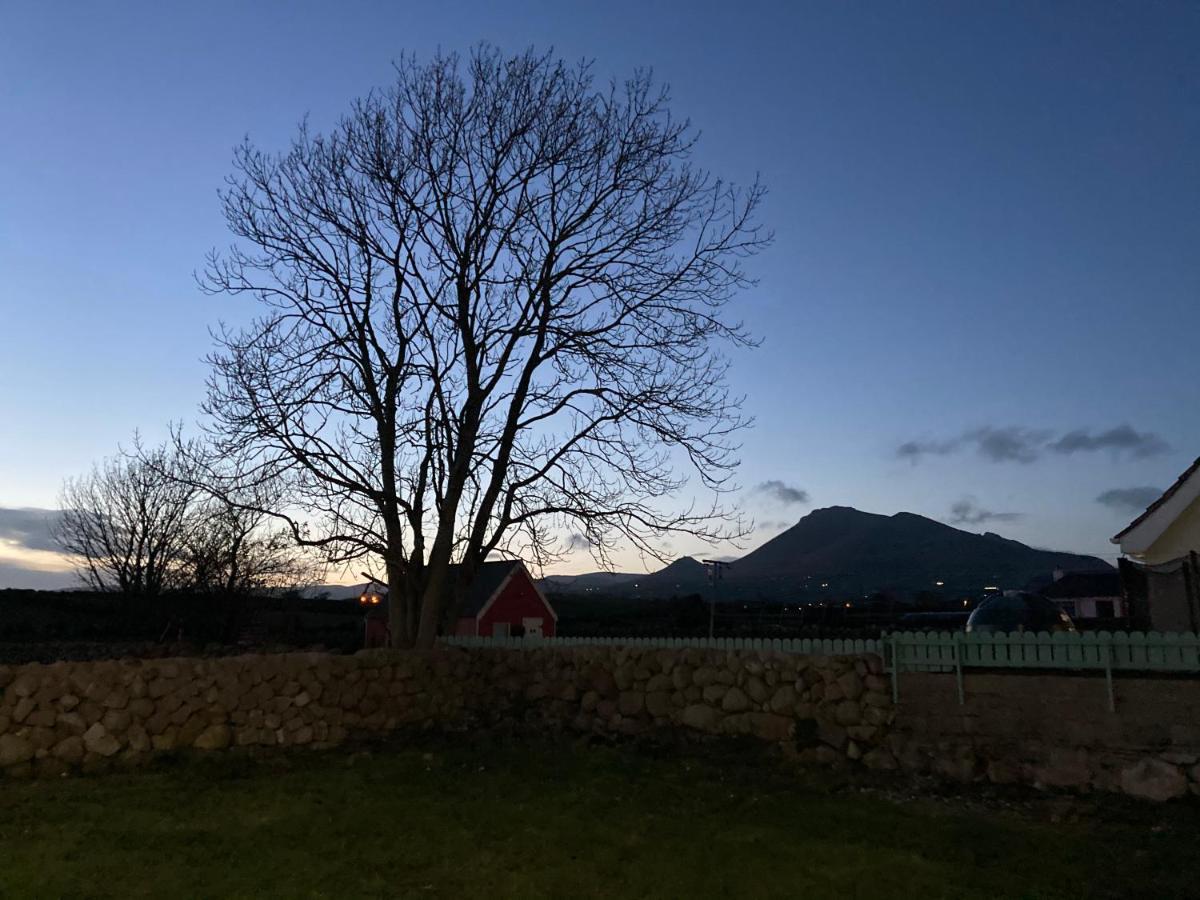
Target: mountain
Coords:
[[841, 551], [589, 581]]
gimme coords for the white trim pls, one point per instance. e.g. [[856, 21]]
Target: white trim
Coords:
[[503, 584], [1142, 537]]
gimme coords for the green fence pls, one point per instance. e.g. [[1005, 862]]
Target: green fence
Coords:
[[1100, 651]]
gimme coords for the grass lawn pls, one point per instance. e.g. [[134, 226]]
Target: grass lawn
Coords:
[[558, 821]]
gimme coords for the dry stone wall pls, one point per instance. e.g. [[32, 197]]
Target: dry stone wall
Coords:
[[1053, 731], [95, 715]]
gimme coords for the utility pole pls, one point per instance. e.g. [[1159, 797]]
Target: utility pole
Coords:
[[716, 568]]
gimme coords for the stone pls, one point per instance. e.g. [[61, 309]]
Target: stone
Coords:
[[783, 700], [25, 706], [830, 733], [851, 685], [14, 750], [771, 727], [69, 749], [847, 713], [756, 690], [879, 760], [659, 682], [704, 676], [1003, 771], [1064, 768], [631, 703], [1153, 779], [24, 685], [700, 717], [681, 677], [735, 700], [116, 721], [714, 692], [658, 704], [97, 740]]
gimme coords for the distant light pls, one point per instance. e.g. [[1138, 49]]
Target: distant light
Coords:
[[939, 584], [824, 584], [966, 603], [847, 604], [991, 587]]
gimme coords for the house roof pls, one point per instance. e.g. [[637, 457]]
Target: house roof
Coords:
[[489, 578], [1149, 526], [1084, 584]]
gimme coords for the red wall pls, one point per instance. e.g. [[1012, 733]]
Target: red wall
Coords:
[[517, 600]]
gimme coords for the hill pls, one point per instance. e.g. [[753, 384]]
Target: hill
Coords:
[[841, 551]]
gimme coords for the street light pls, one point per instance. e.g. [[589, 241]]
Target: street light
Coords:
[[715, 569]]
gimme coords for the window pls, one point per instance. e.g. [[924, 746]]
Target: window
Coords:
[[1104, 609], [500, 629]]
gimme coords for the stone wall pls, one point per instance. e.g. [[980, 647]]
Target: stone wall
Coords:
[[95, 715], [1054, 731]]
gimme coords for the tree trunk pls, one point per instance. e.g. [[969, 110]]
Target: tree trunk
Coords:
[[399, 603]]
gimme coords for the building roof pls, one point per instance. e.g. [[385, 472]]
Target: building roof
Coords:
[[489, 578], [1149, 526], [1074, 585]]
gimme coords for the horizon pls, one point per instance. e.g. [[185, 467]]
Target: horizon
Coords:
[[980, 305]]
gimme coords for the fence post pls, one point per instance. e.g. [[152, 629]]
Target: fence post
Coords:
[[894, 643], [958, 675], [1108, 676]]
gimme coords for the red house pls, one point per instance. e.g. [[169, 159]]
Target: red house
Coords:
[[505, 600]]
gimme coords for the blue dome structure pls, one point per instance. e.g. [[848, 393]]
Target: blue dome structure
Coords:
[[1018, 611]]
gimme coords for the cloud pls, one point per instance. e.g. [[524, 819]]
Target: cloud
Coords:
[[967, 511], [30, 528], [1131, 499], [579, 541], [782, 493], [1009, 444], [1015, 443], [1121, 439], [772, 525]]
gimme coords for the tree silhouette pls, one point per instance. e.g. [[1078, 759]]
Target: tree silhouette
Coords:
[[492, 308]]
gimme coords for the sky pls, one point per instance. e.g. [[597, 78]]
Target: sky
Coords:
[[982, 303]]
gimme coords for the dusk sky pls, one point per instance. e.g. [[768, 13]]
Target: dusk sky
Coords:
[[982, 303]]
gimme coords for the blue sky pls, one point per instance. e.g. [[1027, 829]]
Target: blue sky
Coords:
[[987, 216]]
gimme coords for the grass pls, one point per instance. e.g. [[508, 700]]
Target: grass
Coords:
[[557, 821]]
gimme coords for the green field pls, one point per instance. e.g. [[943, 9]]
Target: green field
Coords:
[[563, 821]]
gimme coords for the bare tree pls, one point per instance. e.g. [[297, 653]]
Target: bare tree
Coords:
[[127, 523], [492, 309], [236, 545]]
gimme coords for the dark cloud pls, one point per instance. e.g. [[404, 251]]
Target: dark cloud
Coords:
[[1122, 439], [914, 450], [967, 511], [1008, 444], [772, 526], [32, 529], [782, 493], [578, 541], [1014, 443], [1131, 499]]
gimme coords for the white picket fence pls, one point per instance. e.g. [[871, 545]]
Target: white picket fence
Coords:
[[799, 646]]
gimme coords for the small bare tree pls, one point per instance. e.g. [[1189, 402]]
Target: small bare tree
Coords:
[[127, 523], [492, 303]]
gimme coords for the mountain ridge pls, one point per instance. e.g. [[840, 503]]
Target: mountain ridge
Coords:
[[844, 551]]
